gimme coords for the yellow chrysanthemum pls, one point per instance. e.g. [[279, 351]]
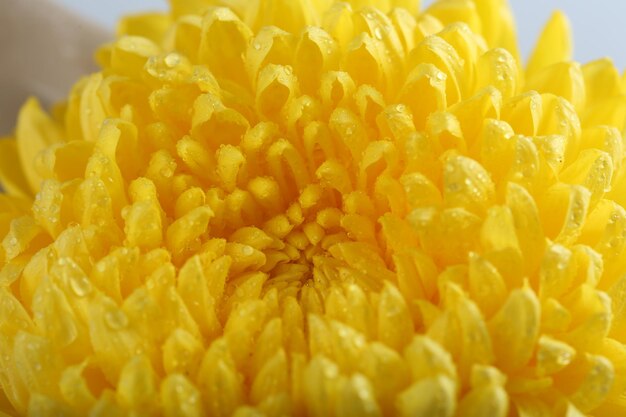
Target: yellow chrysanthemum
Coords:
[[318, 208]]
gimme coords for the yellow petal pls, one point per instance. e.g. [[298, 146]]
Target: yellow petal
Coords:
[[467, 184], [429, 84], [356, 398], [426, 358], [151, 25], [445, 130], [184, 232], [553, 355], [107, 406], [42, 405], [564, 79], [288, 15], [12, 175], [180, 397], [554, 44], [593, 169], [182, 353], [221, 26], [487, 287], [591, 316], [498, 25], [456, 11], [387, 373], [219, 381], [515, 329], [484, 401], [38, 364], [35, 131], [54, 313], [602, 80], [320, 376], [442, 55], [498, 68], [365, 61], [524, 113], [432, 397], [596, 384], [316, 53], [272, 378], [276, 86], [74, 388], [113, 340], [137, 389]]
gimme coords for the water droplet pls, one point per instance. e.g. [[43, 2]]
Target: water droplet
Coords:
[[564, 358], [171, 60], [116, 319], [378, 33], [81, 286], [256, 46], [247, 250], [561, 265], [441, 76]]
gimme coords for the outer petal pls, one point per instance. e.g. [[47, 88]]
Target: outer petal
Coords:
[[554, 45], [12, 176], [35, 132]]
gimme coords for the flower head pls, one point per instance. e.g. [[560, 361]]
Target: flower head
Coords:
[[319, 208]]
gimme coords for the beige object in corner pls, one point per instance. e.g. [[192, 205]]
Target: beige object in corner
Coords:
[[44, 49]]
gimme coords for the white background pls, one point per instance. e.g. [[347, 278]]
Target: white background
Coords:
[[599, 25]]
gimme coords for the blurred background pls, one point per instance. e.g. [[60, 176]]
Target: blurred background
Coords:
[[47, 55]]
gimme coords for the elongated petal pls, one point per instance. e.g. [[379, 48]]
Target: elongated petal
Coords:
[[553, 46]]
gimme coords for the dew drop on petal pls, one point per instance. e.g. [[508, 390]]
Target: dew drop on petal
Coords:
[[81, 286], [172, 59], [116, 319], [247, 250]]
